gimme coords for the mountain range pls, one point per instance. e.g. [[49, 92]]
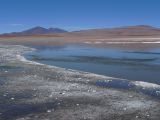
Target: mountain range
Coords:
[[139, 30]]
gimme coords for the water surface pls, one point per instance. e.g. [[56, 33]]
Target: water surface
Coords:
[[132, 64]]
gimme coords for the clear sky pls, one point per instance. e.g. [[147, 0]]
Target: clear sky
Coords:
[[17, 15]]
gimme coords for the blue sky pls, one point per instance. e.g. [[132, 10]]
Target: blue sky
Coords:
[[17, 15]]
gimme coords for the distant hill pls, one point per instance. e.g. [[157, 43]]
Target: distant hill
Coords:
[[36, 31], [140, 30]]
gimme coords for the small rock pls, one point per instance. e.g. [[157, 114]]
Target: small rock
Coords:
[[12, 98], [51, 95], [94, 91], [4, 95], [34, 89], [36, 116], [49, 111], [62, 93], [137, 116], [124, 109], [147, 115]]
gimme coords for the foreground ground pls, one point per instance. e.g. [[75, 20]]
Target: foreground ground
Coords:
[[32, 91]]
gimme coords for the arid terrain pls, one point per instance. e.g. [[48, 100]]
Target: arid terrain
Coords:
[[122, 35], [33, 91]]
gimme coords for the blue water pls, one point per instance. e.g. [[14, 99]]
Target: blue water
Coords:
[[132, 64]]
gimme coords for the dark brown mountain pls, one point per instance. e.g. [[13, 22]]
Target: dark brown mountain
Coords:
[[36, 31]]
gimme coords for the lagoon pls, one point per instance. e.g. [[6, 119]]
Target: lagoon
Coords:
[[131, 64]]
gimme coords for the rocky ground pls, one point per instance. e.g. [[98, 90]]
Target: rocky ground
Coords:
[[32, 91]]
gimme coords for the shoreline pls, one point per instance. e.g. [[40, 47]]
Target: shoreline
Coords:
[[44, 40], [58, 93], [138, 83]]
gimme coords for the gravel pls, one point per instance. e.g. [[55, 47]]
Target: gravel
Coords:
[[33, 91]]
